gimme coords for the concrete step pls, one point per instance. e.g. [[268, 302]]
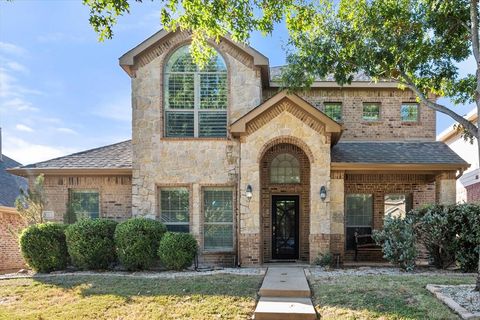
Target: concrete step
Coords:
[[285, 282], [285, 308]]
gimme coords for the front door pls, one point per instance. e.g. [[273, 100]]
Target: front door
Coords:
[[285, 211]]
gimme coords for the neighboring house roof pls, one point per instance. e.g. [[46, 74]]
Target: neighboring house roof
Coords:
[[402, 155], [115, 158], [452, 132], [9, 184]]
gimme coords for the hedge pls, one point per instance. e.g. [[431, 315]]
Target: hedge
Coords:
[[177, 250]]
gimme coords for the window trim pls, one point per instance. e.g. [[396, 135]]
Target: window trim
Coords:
[[226, 187], [373, 210], [88, 190], [197, 99], [334, 103], [189, 188], [417, 120], [379, 111]]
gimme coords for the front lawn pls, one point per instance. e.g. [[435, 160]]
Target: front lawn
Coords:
[[381, 297], [103, 297]]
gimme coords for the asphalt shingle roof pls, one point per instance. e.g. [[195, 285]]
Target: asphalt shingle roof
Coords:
[[10, 184], [434, 152], [118, 155], [275, 73]]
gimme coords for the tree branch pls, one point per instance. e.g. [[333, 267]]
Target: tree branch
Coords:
[[474, 30]]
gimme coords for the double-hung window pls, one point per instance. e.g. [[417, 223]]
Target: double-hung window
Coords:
[[359, 212], [333, 110], [85, 203], [371, 111], [174, 209], [218, 219], [409, 112], [195, 99]]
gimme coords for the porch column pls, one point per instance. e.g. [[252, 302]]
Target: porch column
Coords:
[[337, 213], [445, 188]]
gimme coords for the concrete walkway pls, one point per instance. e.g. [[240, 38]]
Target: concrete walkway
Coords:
[[285, 294]]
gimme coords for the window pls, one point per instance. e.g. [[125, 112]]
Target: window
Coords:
[[174, 209], [285, 168], [359, 212], [85, 203], [334, 110], [371, 111], [218, 219], [409, 112], [195, 99], [397, 205]]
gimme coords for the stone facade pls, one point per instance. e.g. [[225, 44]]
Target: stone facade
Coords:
[[11, 225]]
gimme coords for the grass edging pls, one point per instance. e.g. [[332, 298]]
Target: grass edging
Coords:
[[452, 304]]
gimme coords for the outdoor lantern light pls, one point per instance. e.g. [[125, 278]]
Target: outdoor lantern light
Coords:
[[323, 193], [248, 192]]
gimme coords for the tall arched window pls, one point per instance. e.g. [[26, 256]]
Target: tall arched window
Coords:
[[195, 99], [285, 168]]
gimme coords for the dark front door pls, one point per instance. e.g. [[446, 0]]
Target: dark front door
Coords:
[[285, 211]]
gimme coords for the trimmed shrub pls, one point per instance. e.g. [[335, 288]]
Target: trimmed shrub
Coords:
[[44, 248], [90, 243], [177, 250], [324, 260], [398, 241], [137, 242]]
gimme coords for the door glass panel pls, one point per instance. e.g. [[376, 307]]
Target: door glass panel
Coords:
[[285, 229]]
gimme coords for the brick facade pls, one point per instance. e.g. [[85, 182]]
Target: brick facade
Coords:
[[473, 192], [11, 225]]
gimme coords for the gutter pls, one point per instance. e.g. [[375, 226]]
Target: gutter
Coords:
[[27, 172]]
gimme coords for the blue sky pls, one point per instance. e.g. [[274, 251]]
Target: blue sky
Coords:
[[62, 91]]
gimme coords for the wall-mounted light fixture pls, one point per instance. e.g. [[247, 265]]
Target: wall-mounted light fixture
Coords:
[[323, 193], [249, 192]]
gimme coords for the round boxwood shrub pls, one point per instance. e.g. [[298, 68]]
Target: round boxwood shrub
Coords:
[[44, 248], [137, 242], [90, 243], [177, 250]]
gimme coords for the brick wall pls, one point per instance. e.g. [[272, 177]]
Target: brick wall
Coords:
[[10, 226], [473, 192], [115, 194], [389, 127]]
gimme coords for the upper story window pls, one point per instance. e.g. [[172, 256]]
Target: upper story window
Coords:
[[371, 111], [285, 168], [333, 110], [409, 112], [195, 99]]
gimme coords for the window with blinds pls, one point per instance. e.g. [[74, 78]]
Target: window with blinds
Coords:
[[218, 219], [85, 203], [174, 209], [359, 214], [195, 99], [285, 168]]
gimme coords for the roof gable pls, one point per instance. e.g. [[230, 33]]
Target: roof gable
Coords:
[[292, 103]]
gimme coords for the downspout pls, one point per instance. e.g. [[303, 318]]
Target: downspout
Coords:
[[239, 197]]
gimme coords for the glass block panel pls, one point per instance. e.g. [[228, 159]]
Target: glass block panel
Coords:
[[409, 112], [285, 168], [371, 111], [213, 91], [218, 236], [218, 205], [213, 124], [180, 91], [85, 203], [359, 209], [174, 205], [179, 124], [333, 110]]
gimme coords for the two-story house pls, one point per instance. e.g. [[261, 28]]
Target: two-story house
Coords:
[[255, 173]]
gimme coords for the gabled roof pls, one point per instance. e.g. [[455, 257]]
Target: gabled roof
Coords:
[[112, 159], [239, 127], [9, 184], [431, 155]]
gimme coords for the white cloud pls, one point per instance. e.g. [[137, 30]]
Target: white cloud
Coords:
[[27, 152], [118, 109], [22, 127], [17, 104], [15, 66], [67, 131], [10, 48]]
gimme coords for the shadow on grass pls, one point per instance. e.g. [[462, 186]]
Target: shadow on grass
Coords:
[[215, 285], [382, 297]]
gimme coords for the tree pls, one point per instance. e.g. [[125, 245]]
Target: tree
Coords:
[[31, 203], [417, 43]]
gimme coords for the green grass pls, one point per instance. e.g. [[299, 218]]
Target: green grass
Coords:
[[99, 297], [381, 297]]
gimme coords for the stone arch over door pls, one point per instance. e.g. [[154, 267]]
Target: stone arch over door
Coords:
[[269, 189]]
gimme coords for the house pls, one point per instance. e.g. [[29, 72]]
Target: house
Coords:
[[255, 173], [468, 185]]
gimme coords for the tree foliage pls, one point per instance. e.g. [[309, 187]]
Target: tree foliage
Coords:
[[31, 203]]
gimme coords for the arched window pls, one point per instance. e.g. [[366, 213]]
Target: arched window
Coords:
[[195, 99], [285, 168]]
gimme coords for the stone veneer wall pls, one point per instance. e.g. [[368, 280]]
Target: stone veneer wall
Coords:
[[11, 225], [389, 127], [115, 194]]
